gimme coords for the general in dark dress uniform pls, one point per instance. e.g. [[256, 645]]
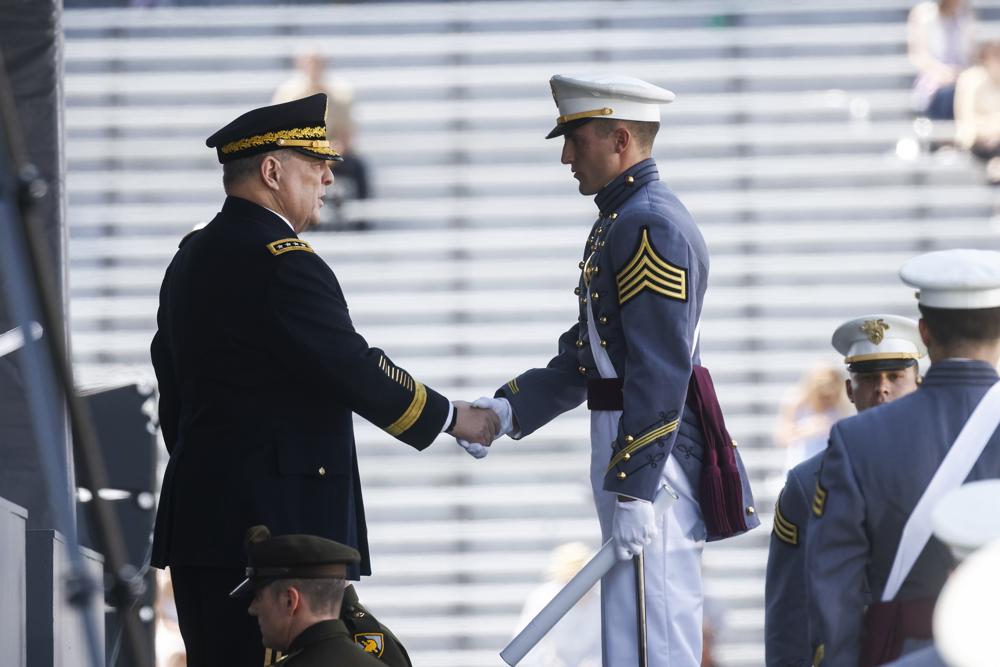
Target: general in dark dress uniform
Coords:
[[881, 353], [260, 369]]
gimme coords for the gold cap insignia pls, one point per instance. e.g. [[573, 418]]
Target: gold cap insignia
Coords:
[[875, 330]]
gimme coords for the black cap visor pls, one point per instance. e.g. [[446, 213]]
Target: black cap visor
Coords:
[[879, 365]]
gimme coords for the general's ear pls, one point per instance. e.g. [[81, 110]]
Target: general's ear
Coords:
[[270, 171]]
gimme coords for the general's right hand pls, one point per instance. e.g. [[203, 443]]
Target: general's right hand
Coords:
[[475, 425]]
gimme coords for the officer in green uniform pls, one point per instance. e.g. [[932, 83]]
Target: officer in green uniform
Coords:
[[299, 588]]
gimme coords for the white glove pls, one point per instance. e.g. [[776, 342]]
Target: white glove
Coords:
[[474, 448], [634, 526], [501, 406]]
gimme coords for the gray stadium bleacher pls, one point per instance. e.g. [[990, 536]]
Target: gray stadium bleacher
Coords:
[[783, 143]]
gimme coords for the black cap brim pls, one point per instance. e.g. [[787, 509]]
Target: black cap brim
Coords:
[[879, 365], [333, 157], [563, 128], [248, 587]]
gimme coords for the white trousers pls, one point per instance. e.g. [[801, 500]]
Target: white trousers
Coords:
[[672, 570]]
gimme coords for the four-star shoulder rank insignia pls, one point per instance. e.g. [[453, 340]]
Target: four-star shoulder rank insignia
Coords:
[[784, 530], [819, 500], [648, 270], [371, 642], [282, 246]]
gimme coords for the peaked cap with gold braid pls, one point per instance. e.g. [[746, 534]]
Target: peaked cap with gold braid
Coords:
[[299, 125]]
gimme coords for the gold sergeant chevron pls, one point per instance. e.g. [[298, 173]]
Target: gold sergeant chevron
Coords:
[[647, 270]]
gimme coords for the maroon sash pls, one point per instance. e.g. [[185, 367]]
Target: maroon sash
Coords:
[[888, 624]]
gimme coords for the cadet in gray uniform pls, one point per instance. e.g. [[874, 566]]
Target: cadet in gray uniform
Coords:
[[881, 353], [874, 573], [297, 583], [631, 355]]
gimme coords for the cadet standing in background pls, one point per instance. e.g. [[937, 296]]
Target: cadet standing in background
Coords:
[[881, 353], [874, 572]]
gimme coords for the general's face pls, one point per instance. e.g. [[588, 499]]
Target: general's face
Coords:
[[590, 156], [270, 607], [303, 186], [866, 390]]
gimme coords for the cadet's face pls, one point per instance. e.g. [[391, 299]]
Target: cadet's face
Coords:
[[866, 390], [590, 156], [270, 607], [303, 187]]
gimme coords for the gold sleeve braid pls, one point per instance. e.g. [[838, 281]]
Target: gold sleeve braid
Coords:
[[412, 413]]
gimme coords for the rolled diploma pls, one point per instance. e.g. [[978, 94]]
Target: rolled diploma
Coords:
[[574, 589]]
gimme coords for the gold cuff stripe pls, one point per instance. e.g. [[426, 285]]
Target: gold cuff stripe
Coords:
[[819, 500], [603, 111], [318, 132], [281, 246], [647, 270], [784, 530], [876, 356], [512, 385], [639, 443], [412, 414], [396, 373]]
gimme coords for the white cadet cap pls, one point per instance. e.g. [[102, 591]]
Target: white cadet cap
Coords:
[[966, 519], [955, 279], [965, 616], [581, 98], [879, 342]]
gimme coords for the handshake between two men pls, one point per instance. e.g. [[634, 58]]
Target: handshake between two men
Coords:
[[479, 423]]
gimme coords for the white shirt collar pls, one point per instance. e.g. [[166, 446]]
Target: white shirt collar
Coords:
[[283, 218]]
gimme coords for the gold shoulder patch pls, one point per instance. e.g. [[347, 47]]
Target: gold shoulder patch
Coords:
[[648, 270], [281, 246], [371, 642], [819, 500], [784, 530]]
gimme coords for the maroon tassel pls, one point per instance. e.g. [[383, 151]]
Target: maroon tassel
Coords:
[[713, 501]]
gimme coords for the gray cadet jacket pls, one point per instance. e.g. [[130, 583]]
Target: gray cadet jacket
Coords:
[[786, 625], [645, 268], [875, 469]]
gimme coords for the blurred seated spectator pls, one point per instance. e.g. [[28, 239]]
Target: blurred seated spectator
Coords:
[[977, 110], [808, 412], [351, 177], [169, 644], [940, 43]]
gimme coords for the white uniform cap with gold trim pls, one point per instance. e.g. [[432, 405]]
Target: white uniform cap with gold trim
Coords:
[[955, 279], [581, 98], [966, 519], [879, 342]]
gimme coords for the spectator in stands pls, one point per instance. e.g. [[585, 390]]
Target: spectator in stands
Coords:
[[352, 180], [808, 412], [575, 641], [260, 371], [940, 40], [297, 583], [977, 110], [881, 353]]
